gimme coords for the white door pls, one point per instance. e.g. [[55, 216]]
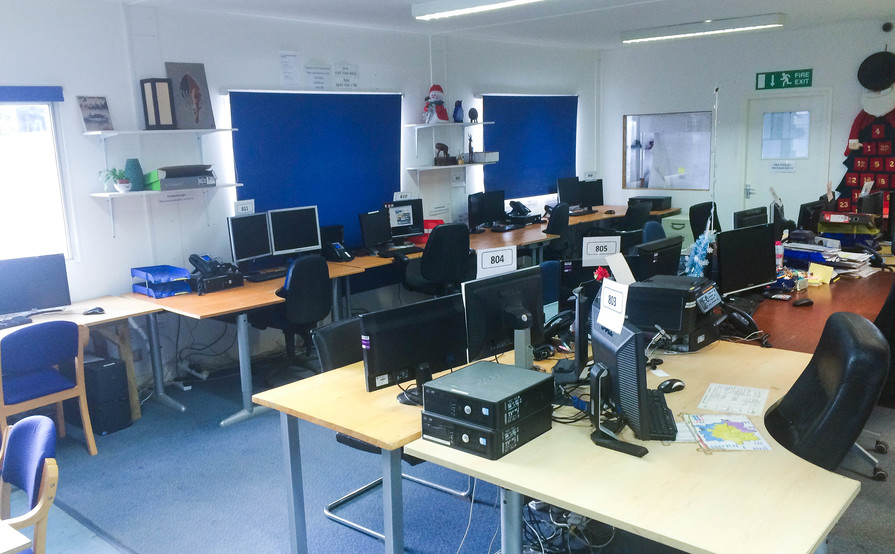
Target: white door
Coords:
[[787, 148]]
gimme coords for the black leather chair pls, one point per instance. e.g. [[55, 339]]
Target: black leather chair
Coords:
[[885, 322], [562, 247], [822, 415], [699, 217], [339, 344], [446, 262], [308, 294], [629, 227]]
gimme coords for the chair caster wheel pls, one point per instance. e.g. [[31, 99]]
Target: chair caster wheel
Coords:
[[879, 474], [881, 446]]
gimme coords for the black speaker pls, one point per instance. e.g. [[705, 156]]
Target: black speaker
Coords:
[[107, 396]]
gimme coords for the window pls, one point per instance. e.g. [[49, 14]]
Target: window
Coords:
[[31, 207], [785, 135]]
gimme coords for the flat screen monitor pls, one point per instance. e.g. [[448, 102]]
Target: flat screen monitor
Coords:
[[249, 237], [746, 259], [569, 189], [750, 217], [496, 307], [405, 218], [413, 342], [872, 203], [374, 229], [624, 386], [34, 284], [591, 194], [810, 214], [293, 230], [657, 257], [486, 208]]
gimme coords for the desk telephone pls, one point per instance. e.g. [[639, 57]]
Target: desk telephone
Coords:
[[208, 267], [335, 252], [518, 208]]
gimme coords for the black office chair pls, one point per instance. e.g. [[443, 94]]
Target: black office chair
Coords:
[[308, 294], [562, 247], [885, 322], [339, 344], [822, 415], [629, 227], [699, 218], [446, 262]]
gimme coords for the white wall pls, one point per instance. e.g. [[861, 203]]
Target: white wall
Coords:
[[682, 75]]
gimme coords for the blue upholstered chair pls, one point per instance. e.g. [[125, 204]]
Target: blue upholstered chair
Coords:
[[29, 372], [653, 230], [27, 461]]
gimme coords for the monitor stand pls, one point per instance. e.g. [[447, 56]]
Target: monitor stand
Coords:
[[522, 351], [413, 396]]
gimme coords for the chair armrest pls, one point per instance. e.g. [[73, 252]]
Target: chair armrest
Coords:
[[281, 292]]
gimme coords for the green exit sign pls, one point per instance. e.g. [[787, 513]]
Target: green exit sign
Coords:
[[794, 78]]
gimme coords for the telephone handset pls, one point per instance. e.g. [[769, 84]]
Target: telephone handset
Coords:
[[207, 266], [518, 208], [558, 323], [335, 252], [740, 320]]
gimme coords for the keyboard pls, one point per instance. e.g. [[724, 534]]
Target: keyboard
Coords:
[[14, 321], [661, 425], [265, 275], [505, 228], [399, 251]]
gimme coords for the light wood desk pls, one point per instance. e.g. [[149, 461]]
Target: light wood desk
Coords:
[[12, 540], [239, 301], [117, 311], [723, 502]]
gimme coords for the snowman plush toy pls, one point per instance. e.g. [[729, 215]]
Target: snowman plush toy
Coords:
[[435, 110]]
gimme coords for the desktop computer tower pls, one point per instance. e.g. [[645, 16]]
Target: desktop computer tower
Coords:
[[107, 395]]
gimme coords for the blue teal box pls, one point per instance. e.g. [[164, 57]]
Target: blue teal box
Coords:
[[161, 281]]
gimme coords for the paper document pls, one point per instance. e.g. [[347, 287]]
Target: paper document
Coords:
[[734, 400], [726, 432]]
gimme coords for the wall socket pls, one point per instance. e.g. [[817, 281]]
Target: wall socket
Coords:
[[244, 207]]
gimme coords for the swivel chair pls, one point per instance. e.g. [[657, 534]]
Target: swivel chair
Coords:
[[339, 344], [885, 322], [28, 462], [653, 230], [308, 294], [822, 415], [562, 247], [446, 262], [629, 228], [699, 218]]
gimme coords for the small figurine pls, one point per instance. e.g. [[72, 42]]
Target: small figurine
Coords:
[[470, 148], [458, 112], [426, 112], [436, 104], [473, 115]]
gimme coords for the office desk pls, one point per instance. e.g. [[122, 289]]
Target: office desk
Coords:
[[239, 301], [530, 235], [11, 540], [117, 311], [723, 502], [338, 400]]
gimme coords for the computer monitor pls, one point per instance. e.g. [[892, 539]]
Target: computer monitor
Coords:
[[657, 257], [590, 194], [872, 204], [505, 312], [746, 259], [810, 214], [249, 237], [750, 217], [405, 218], [569, 189], [35, 284], [293, 230], [374, 229], [413, 341], [622, 358], [486, 208]]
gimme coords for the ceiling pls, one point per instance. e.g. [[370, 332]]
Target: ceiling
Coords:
[[593, 24]]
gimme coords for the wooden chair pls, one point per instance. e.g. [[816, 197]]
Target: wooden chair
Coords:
[[27, 461], [29, 372]]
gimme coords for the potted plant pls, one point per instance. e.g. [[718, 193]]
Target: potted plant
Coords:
[[115, 178]]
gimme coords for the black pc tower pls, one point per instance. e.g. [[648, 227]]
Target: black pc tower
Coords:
[[107, 396]]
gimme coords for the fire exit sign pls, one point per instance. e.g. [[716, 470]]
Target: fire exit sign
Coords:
[[793, 78]]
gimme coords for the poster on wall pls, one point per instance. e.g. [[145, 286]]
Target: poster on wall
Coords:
[[95, 113], [192, 105]]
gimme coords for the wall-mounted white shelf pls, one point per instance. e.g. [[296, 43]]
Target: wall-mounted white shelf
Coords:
[[438, 167], [417, 126], [198, 133]]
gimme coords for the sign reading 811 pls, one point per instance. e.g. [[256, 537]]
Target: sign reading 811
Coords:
[[793, 78]]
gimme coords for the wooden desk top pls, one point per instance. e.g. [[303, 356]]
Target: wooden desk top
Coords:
[[530, 234], [117, 308], [799, 329], [720, 502]]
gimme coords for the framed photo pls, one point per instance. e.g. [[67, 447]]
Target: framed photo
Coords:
[[95, 113], [158, 104], [667, 151], [192, 105]]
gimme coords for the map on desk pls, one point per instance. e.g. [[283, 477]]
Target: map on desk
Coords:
[[725, 432]]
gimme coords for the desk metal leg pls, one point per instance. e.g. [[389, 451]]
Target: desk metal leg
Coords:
[[245, 374], [298, 535], [158, 373], [392, 503], [510, 522]]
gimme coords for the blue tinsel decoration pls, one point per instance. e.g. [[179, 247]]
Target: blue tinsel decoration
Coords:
[[698, 258]]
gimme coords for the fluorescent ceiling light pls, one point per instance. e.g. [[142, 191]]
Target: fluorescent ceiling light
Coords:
[[449, 8], [703, 28]]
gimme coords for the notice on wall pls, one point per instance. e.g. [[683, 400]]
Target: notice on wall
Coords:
[[319, 75], [345, 76], [290, 69]]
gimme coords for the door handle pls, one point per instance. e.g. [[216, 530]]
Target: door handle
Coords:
[[748, 191]]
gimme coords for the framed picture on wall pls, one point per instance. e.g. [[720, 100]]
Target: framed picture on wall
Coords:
[[192, 105], [95, 113], [667, 151]]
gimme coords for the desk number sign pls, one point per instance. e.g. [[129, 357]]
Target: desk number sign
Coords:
[[495, 261], [613, 303], [595, 249]]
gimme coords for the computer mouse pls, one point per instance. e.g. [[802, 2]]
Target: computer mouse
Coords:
[[802, 302], [671, 385], [609, 212], [94, 311]]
